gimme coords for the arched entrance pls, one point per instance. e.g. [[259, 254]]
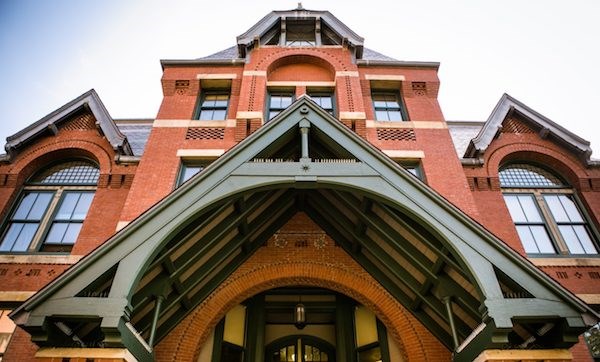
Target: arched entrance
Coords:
[[300, 348], [300, 322]]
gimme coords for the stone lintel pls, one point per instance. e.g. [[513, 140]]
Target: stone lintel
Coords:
[[389, 77], [216, 76], [200, 153], [249, 115], [352, 115], [96, 354], [519, 355]]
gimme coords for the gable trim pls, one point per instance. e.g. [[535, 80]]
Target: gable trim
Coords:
[[504, 107], [89, 101]]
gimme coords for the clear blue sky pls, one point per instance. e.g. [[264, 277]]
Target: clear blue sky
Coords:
[[542, 52]]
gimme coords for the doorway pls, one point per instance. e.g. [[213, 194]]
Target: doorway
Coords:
[[299, 348]]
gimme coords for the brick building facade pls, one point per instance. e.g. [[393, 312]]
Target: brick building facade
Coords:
[[298, 197]]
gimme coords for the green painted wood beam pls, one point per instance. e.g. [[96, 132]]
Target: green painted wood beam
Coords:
[[216, 263], [220, 277], [206, 219], [355, 169], [374, 270], [255, 330], [84, 307], [391, 266], [345, 345], [440, 252]]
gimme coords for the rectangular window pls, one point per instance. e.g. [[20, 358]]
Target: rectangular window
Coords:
[[413, 168], [278, 101], [188, 170], [323, 99], [387, 106], [213, 106], [25, 221], [529, 223]]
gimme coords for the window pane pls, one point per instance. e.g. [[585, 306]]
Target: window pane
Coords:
[[219, 114], [69, 173], [555, 206], [69, 201], [285, 101], [11, 236], [514, 207], [72, 233], [187, 171], [577, 239], [542, 239], [221, 101], [25, 206], [527, 240], [379, 103], [81, 210], [39, 206], [530, 209], [381, 115], [272, 114], [326, 102], [570, 208], [25, 237], [209, 101], [206, 115], [56, 233], [571, 239], [585, 239], [525, 175], [394, 116]]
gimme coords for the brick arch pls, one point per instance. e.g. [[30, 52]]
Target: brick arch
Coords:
[[28, 163], [565, 166], [317, 54], [339, 273], [321, 65]]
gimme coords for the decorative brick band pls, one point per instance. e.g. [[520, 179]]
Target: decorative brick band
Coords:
[[199, 133], [396, 134]]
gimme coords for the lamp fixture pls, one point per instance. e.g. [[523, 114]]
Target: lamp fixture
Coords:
[[300, 315]]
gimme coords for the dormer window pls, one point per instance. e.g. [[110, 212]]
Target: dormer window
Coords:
[[300, 28], [300, 33]]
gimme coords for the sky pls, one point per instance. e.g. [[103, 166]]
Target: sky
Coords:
[[544, 53]]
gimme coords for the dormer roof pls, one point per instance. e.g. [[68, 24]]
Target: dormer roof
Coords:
[[508, 106], [87, 101], [274, 18]]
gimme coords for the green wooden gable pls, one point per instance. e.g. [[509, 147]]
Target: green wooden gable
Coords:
[[466, 286]]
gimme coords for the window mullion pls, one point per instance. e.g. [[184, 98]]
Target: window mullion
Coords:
[[552, 226], [46, 221]]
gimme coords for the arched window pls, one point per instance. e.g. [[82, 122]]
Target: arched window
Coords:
[[545, 211], [50, 211]]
